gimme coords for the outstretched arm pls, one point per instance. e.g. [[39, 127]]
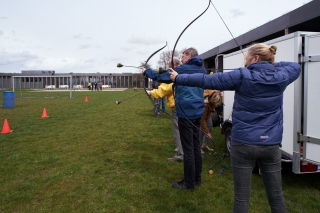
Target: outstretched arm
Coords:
[[150, 73], [220, 81]]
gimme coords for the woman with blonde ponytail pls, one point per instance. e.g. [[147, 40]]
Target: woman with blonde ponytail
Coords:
[[257, 119]]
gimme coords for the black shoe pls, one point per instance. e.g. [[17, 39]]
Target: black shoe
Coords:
[[198, 183], [182, 185]]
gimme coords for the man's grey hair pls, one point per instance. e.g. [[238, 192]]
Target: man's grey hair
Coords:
[[191, 51], [176, 61]]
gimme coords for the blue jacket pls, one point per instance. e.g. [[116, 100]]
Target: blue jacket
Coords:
[[163, 78], [257, 116], [188, 100]]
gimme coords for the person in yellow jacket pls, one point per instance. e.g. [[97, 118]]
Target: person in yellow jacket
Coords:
[[166, 90]]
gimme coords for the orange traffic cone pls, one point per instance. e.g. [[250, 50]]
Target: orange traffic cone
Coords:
[[44, 114], [5, 128], [86, 100]]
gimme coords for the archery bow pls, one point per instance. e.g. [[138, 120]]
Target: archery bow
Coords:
[[145, 65], [172, 64], [226, 26], [174, 48]]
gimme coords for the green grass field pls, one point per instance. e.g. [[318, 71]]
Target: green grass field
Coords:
[[97, 156]]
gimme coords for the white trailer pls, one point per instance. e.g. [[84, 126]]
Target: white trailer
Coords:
[[301, 102]]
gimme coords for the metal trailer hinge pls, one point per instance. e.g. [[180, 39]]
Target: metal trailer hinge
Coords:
[[312, 58], [308, 139]]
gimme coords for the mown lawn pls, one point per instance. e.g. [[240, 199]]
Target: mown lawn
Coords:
[[98, 156]]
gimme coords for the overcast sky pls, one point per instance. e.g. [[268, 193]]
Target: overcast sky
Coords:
[[89, 36]]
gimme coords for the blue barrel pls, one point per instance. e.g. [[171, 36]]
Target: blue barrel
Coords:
[[8, 100]]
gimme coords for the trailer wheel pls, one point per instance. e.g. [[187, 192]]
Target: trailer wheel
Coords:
[[227, 139]]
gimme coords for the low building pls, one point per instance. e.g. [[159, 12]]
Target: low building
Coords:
[[40, 79]]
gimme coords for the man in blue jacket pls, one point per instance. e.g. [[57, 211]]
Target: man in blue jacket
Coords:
[[190, 107]]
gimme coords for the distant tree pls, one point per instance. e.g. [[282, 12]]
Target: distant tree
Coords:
[[147, 66], [166, 56]]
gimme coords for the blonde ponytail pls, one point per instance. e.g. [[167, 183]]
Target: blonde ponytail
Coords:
[[265, 52]]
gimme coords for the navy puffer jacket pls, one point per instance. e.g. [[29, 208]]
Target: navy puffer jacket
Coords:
[[257, 116], [188, 100]]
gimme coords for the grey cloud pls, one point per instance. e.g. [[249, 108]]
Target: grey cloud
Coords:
[[79, 36], [87, 46], [126, 49], [146, 39], [3, 17], [15, 57], [89, 61], [236, 13], [76, 36], [84, 46], [1, 33], [142, 52], [117, 59]]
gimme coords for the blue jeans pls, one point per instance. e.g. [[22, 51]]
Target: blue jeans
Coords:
[[163, 104], [269, 160], [192, 160]]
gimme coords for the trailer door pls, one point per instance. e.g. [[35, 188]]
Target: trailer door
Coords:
[[311, 111]]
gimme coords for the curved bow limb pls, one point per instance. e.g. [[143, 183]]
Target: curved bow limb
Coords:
[[174, 48], [144, 86]]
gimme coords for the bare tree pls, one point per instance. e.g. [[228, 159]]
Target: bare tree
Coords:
[[147, 66], [165, 57]]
